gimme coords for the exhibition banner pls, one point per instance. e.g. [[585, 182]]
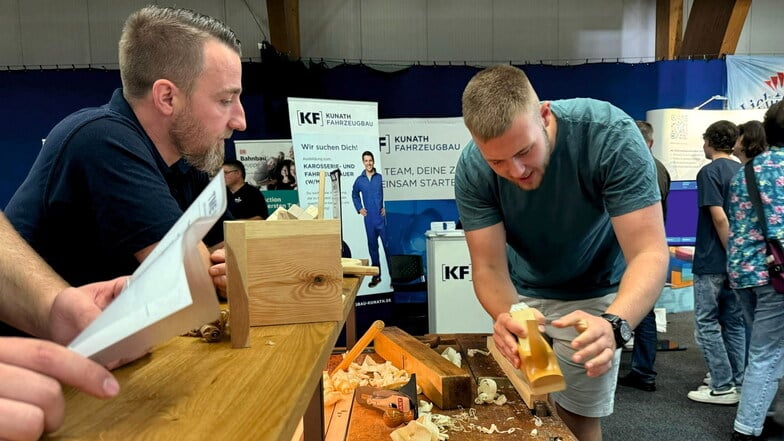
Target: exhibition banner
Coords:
[[266, 162], [329, 135], [420, 156], [754, 82], [677, 136]]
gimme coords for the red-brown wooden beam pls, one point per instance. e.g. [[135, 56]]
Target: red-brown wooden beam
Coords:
[[714, 27], [284, 26], [669, 28]]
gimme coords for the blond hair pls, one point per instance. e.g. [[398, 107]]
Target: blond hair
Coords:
[[494, 98], [161, 42]]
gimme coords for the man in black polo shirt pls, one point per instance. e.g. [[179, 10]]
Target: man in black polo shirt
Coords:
[[245, 201], [109, 182]]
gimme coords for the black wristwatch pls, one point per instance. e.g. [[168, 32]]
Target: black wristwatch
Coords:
[[621, 329]]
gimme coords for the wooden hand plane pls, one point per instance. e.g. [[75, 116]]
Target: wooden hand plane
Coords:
[[537, 359], [539, 373]]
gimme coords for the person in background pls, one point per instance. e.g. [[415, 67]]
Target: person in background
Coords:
[[751, 141], [36, 301], [749, 277], [109, 182], [720, 330], [642, 376], [561, 212], [368, 196], [245, 200]]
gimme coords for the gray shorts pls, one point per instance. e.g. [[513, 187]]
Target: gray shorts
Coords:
[[584, 395]]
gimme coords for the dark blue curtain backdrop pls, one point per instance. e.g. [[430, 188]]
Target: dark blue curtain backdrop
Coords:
[[33, 101]]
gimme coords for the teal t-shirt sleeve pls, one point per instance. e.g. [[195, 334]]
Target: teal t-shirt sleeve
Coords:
[[627, 170], [476, 190]]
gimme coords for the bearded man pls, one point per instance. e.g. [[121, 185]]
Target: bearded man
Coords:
[[110, 181]]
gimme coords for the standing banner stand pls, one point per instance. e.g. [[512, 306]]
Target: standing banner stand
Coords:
[[329, 135]]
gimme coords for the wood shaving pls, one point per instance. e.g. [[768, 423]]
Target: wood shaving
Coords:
[[421, 429], [453, 356], [369, 373], [487, 392], [461, 422], [472, 352]]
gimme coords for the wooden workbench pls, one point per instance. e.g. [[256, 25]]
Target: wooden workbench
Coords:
[[366, 424], [187, 389]]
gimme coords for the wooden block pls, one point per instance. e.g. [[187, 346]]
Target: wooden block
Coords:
[[445, 384], [280, 213], [298, 213], [357, 267], [282, 273], [312, 210]]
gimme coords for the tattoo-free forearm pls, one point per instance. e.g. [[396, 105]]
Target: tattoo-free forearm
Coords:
[[28, 285]]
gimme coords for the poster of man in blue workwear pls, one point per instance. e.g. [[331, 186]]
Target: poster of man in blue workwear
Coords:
[[368, 197]]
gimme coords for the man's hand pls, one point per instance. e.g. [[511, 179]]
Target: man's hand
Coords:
[[506, 332], [596, 343], [75, 308], [218, 270], [31, 400], [362, 212]]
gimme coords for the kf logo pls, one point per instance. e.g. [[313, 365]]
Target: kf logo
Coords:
[[456, 272], [312, 118], [383, 143]]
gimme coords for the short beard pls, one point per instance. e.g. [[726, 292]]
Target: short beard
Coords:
[[209, 162], [186, 133]]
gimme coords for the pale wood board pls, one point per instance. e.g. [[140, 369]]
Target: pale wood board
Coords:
[[187, 389], [515, 376], [336, 427]]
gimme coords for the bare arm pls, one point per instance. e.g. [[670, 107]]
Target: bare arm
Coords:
[[493, 286], [641, 237], [489, 269], [28, 286], [720, 223]]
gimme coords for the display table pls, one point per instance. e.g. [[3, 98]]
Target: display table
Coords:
[[451, 302], [187, 389]]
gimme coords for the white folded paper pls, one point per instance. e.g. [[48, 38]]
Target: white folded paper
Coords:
[[169, 294]]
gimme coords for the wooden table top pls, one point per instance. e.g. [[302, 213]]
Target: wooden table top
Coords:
[[187, 389]]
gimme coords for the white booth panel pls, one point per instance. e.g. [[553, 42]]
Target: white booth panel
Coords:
[[452, 304]]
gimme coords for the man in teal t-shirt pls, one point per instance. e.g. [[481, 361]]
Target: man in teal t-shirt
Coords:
[[560, 205]]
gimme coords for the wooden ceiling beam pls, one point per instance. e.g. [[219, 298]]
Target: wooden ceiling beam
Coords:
[[714, 27], [669, 28], [284, 26]]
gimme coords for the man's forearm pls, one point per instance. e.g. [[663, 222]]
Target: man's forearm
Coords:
[[494, 290], [28, 286], [640, 286]]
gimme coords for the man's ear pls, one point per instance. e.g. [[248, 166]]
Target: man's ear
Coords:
[[164, 94], [546, 113]]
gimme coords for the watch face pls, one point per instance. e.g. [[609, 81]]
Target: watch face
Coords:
[[626, 331]]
